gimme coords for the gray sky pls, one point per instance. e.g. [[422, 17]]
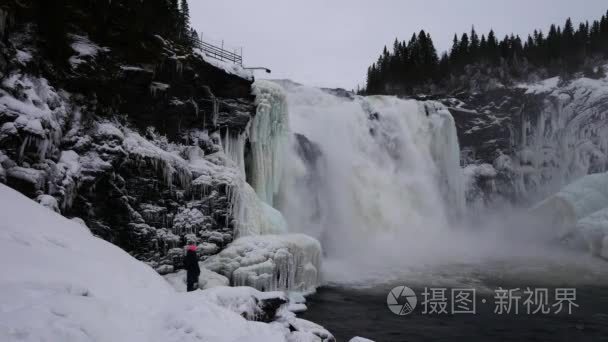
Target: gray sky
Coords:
[[331, 43]]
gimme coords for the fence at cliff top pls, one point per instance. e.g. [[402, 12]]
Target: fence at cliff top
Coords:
[[217, 50]]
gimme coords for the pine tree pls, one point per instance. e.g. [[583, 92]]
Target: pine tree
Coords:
[[493, 52], [413, 65], [184, 23], [474, 47]]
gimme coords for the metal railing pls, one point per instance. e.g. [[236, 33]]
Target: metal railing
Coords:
[[221, 54]]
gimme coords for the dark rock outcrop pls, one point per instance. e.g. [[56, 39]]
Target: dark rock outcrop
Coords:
[[124, 136]]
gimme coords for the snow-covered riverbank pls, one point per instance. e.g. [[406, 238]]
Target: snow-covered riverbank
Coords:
[[64, 284]]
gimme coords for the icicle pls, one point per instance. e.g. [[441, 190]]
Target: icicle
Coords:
[[24, 144], [268, 134], [216, 110], [196, 110], [271, 263], [234, 148], [3, 21]]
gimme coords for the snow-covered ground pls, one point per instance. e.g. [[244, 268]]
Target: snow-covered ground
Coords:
[[61, 283]]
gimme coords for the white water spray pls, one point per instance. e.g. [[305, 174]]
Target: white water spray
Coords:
[[389, 180]]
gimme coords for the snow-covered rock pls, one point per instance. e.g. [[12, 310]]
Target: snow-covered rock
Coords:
[[359, 339], [49, 202], [271, 262], [85, 50]]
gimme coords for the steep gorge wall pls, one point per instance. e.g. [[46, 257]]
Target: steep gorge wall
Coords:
[[131, 146], [522, 144]]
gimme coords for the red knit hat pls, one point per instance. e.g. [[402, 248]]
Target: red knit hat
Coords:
[[191, 248]]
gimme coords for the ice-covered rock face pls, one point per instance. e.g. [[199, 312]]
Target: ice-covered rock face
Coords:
[[568, 138], [538, 137], [134, 148]]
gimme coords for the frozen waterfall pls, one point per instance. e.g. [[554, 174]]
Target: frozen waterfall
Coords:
[[386, 173], [267, 135]]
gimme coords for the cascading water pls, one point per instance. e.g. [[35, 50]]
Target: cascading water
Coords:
[[385, 177]]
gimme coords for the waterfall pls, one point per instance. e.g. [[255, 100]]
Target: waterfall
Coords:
[[390, 174], [371, 178]]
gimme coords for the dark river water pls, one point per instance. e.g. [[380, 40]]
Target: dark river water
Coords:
[[354, 311]]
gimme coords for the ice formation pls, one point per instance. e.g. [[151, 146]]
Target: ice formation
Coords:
[[267, 133], [253, 216], [170, 166], [581, 210], [268, 137], [569, 137], [40, 114], [256, 217], [271, 262]]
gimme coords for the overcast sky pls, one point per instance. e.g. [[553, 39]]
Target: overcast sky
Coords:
[[331, 43]]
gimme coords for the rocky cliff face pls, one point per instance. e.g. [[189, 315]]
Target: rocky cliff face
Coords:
[[524, 143], [128, 139]]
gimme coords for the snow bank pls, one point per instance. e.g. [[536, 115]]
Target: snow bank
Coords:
[[271, 262], [67, 285], [206, 280]]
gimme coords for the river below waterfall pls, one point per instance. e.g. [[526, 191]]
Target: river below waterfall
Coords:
[[349, 311]]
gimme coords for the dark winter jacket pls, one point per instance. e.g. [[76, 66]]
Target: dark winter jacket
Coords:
[[191, 264]]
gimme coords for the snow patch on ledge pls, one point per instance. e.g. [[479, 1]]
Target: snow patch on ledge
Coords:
[[84, 49], [228, 67]]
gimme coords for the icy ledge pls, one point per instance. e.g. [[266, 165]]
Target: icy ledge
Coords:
[[67, 285], [579, 211], [289, 262]]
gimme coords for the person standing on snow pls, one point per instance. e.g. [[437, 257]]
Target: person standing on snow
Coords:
[[191, 266]]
